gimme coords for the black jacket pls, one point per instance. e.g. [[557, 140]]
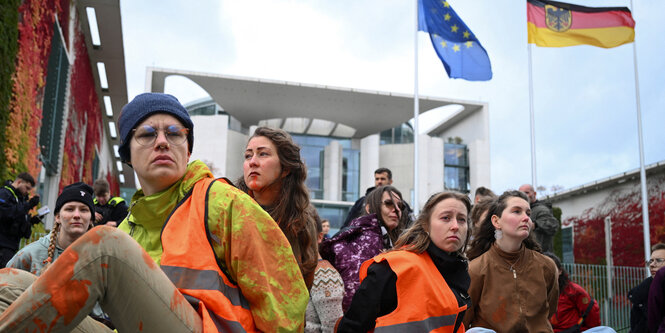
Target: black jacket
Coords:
[[14, 219], [114, 210], [639, 296], [357, 209]]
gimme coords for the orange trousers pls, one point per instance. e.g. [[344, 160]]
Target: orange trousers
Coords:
[[106, 266]]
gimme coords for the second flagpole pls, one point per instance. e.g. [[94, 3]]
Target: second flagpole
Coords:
[[415, 203]]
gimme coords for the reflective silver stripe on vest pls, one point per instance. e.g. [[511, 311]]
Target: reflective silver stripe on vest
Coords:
[[425, 325], [225, 325], [188, 278], [222, 324]]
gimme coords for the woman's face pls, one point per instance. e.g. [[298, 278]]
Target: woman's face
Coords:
[[514, 221], [162, 163], [448, 225], [390, 209], [261, 168], [326, 227], [74, 218]]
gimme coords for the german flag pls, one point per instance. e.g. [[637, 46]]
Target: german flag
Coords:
[[559, 24]]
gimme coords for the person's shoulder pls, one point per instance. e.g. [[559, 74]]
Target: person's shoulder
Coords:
[[224, 190], [479, 263], [5, 192], [544, 261], [368, 220]]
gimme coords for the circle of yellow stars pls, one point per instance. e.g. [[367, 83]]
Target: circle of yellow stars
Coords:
[[455, 29]]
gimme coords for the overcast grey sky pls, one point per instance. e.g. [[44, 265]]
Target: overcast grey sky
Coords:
[[584, 96]]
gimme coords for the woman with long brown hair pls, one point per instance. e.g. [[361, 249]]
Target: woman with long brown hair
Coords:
[[274, 175], [365, 237], [513, 286], [421, 285]]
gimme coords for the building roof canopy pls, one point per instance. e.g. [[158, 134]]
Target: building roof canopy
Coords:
[[252, 100]]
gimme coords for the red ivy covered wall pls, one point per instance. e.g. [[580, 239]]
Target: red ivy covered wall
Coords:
[[35, 29], [625, 210], [83, 134], [84, 127]]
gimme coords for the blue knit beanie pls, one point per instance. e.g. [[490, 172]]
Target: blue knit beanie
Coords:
[[144, 106]]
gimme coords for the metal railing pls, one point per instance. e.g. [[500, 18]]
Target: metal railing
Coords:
[[612, 293]]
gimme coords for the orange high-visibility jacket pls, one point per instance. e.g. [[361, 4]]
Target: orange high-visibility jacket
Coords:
[[425, 303], [189, 261]]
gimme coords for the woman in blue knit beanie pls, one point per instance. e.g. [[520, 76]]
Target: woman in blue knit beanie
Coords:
[[195, 254]]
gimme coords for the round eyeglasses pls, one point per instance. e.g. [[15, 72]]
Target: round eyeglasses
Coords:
[[147, 135]]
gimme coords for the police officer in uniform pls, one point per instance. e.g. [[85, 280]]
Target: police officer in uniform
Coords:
[[108, 210]]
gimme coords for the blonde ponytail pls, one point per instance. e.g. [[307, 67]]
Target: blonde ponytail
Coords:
[[51, 248]]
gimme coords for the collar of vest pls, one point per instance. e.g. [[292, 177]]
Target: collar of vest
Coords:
[[151, 211], [11, 190]]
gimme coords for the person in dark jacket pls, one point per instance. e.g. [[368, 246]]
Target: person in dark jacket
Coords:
[[639, 295], [109, 210], [423, 280], [15, 222], [546, 225]]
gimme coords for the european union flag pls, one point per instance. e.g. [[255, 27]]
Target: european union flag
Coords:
[[457, 47]]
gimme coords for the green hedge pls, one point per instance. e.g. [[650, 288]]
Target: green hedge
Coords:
[[8, 49]]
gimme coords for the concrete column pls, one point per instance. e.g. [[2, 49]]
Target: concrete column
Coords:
[[332, 172], [369, 161], [210, 145], [434, 176], [430, 167], [479, 164]]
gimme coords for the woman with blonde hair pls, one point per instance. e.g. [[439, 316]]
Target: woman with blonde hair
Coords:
[[274, 175], [420, 285], [74, 211]]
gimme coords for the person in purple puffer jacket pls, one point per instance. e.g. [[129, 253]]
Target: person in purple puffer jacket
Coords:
[[365, 237]]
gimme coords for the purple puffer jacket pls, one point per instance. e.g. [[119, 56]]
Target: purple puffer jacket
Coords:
[[349, 248]]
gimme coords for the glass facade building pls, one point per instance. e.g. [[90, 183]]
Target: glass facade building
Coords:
[[456, 167], [312, 152]]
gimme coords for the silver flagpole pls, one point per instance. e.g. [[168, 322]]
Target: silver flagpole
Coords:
[[415, 204], [532, 123], [643, 174]]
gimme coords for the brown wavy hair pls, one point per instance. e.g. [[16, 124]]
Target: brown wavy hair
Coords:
[[292, 210], [373, 200], [417, 239], [484, 237]]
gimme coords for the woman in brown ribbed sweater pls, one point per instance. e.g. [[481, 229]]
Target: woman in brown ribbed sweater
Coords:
[[513, 286]]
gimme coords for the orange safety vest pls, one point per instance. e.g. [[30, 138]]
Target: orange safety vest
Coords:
[[425, 303], [190, 263]]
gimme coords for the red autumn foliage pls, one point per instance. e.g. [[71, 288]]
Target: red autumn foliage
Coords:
[[625, 211], [35, 28], [84, 123]]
